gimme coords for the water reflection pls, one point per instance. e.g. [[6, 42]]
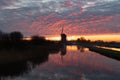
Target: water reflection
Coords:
[[65, 63], [87, 66], [63, 50], [26, 65], [71, 48], [110, 48], [82, 49], [77, 47], [16, 69]]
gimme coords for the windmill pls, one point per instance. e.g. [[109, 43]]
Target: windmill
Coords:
[[63, 36], [63, 42]]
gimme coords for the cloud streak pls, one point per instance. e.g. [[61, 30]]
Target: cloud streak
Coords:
[[46, 17]]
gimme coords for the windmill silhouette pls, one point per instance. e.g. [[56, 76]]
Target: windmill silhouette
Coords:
[[63, 41], [63, 36], [63, 52]]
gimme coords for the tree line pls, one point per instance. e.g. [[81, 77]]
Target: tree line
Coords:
[[17, 36]]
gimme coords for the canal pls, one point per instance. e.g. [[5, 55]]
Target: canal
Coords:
[[70, 63]]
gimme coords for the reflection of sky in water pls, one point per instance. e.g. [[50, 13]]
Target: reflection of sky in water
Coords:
[[110, 48], [75, 65]]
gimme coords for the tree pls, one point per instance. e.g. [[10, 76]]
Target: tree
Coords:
[[16, 36], [82, 39], [37, 38]]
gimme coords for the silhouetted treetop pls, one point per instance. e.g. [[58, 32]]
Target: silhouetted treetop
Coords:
[[16, 35], [38, 38], [82, 39]]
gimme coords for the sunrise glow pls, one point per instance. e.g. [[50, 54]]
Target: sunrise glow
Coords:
[[107, 37], [60, 39]]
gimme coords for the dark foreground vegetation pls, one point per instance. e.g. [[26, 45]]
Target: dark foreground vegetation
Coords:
[[13, 48], [17, 54]]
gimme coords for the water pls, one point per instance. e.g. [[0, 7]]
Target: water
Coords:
[[110, 48], [69, 63]]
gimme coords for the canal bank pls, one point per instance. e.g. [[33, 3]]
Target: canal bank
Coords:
[[106, 52]]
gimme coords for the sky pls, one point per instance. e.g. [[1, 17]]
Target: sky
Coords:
[[47, 17]]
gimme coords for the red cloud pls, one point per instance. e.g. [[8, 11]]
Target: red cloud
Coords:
[[51, 25]]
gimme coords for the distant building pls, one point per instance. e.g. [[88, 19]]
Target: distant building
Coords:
[[63, 37]]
